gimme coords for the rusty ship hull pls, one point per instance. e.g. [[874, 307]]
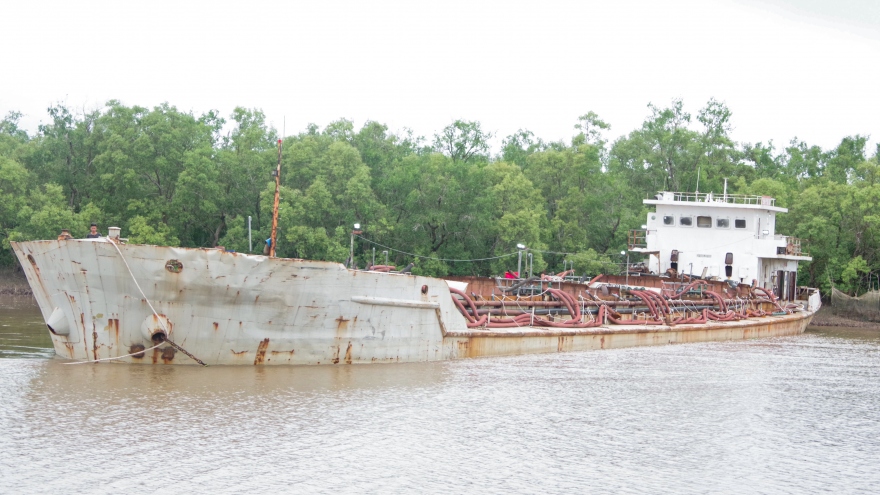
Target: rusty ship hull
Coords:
[[105, 300]]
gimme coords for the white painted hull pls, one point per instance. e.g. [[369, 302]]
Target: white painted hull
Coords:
[[229, 308]]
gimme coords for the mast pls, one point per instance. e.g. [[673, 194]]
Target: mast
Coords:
[[277, 175]]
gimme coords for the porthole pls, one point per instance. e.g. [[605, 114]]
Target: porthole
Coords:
[[704, 222], [174, 266]]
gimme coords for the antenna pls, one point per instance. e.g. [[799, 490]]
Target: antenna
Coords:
[[277, 175], [698, 179]]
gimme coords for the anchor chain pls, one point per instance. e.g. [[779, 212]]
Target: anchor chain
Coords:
[[181, 349]]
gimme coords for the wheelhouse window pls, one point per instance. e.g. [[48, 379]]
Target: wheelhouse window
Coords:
[[686, 221], [722, 223], [739, 223], [704, 222], [668, 220]]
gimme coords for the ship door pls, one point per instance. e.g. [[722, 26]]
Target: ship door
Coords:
[[765, 271]]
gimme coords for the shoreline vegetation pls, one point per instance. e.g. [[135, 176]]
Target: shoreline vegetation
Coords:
[[453, 204], [14, 284]]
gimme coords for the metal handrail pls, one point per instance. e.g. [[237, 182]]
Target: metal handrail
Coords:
[[795, 246], [637, 239], [743, 199]]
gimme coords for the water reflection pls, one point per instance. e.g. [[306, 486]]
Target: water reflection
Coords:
[[107, 379], [23, 332]]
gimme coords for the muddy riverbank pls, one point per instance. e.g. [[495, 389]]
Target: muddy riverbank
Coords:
[[13, 283], [829, 316]]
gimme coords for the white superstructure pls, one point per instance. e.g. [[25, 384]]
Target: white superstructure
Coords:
[[730, 237]]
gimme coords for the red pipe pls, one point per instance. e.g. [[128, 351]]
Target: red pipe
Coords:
[[644, 297], [767, 293], [660, 299], [619, 321], [770, 296], [718, 298]]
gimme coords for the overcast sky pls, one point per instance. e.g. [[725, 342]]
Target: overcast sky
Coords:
[[785, 68]]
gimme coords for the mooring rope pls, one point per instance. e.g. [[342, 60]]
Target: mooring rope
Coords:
[[118, 357]]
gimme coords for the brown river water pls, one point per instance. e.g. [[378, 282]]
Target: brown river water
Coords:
[[785, 415]]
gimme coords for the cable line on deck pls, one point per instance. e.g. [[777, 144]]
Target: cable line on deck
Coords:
[[431, 257]]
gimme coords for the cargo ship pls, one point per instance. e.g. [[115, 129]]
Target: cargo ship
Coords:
[[713, 269]]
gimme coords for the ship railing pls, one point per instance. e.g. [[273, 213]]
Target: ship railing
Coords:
[[739, 199], [525, 287], [532, 287], [670, 289], [795, 246], [637, 239]]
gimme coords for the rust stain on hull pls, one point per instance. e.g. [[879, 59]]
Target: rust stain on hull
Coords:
[[113, 323], [168, 354], [564, 343], [113, 326], [82, 319], [261, 351], [521, 343], [348, 354], [137, 351]]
